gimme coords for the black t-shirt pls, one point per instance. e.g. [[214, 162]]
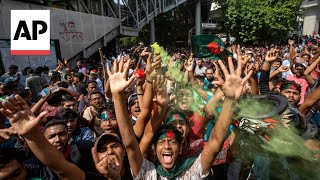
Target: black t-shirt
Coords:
[[35, 169]]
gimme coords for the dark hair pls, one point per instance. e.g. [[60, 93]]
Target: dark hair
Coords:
[[45, 68], [79, 75], [66, 97], [29, 71], [9, 154], [200, 78], [54, 99], [23, 92], [209, 69], [278, 60], [55, 122], [24, 71], [63, 84], [66, 113], [92, 81], [299, 65], [107, 107], [163, 129], [8, 88], [38, 70], [95, 92], [13, 67]]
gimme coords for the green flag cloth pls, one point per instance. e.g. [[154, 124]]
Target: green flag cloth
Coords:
[[208, 46]]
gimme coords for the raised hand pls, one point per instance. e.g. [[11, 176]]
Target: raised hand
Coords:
[[118, 79], [216, 74], [6, 134], [108, 166], [151, 68], [188, 65], [271, 56], [291, 42], [283, 68], [233, 84], [144, 52], [161, 98], [21, 118]]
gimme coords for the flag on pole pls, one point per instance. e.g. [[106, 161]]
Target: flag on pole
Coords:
[[208, 46]]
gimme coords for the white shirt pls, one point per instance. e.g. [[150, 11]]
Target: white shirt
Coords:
[[148, 172]]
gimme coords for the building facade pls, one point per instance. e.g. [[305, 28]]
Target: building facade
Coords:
[[311, 14]]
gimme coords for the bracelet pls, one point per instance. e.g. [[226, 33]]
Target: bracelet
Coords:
[[140, 94]]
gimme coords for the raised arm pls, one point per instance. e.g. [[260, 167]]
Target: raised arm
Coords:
[[253, 80], [70, 92], [232, 88], [281, 69], [265, 73], [118, 83], [309, 101], [308, 71], [213, 102], [156, 120], [36, 108], [146, 105], [27, 125]]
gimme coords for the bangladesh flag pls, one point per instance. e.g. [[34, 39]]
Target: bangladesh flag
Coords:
[[208, 46]]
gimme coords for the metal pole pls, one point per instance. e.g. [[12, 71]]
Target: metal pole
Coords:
[[119, 9], [198, 18], [152, 31], [78, 5], [101, 5]]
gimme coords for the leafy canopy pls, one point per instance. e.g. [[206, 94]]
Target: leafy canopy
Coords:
[[258, 21]]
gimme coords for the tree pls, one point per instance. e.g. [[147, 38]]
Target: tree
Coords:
[[170, 27], [259, 21]]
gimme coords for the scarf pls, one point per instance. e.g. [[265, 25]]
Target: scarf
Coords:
[[177, 169]]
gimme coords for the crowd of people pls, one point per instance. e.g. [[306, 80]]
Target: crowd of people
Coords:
[[143, 115]]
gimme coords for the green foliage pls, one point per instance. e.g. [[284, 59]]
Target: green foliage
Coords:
[[259, 21], [128, 42]]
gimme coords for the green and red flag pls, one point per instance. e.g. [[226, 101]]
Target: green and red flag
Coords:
[[208, 46]]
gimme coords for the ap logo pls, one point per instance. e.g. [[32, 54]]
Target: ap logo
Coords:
[[30, 32]]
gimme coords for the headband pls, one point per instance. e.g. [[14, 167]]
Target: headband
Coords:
[[290, 86], [107, 116], [174, 117], [169, 133]]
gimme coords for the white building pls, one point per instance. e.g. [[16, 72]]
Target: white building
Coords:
[[311, 20]]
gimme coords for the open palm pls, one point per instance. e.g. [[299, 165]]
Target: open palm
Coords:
[[118, 80], [271, 56], [233, 83], [22, 120]]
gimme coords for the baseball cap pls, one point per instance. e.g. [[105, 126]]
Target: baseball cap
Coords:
[[98, 145], [132, 97], [299, 65]]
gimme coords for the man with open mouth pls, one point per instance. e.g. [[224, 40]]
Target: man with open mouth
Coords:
[[166, 142]]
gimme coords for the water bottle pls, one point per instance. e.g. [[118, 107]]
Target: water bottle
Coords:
[[44, 92]]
